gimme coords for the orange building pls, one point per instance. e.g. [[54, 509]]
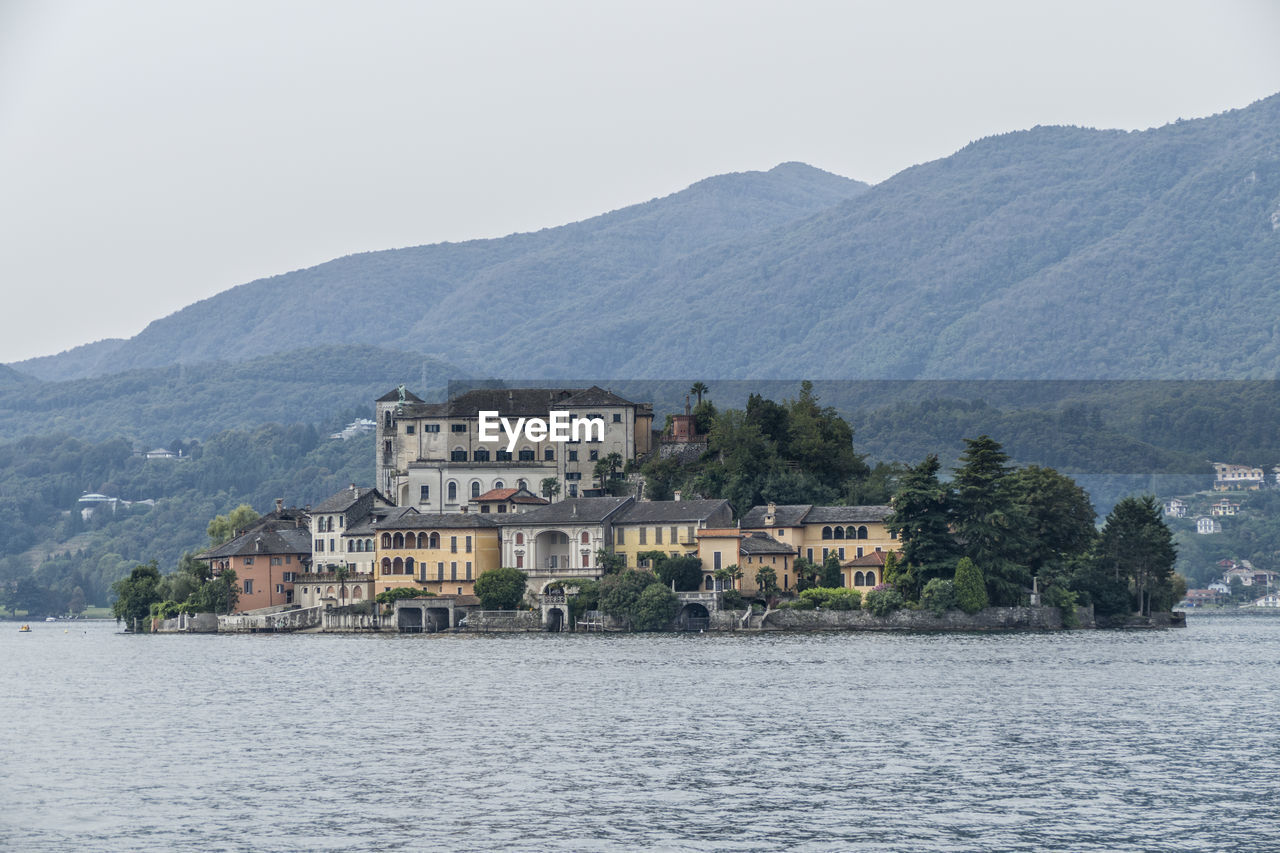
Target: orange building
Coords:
[[266, 557]]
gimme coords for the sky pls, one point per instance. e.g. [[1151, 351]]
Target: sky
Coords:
[[155, 153]]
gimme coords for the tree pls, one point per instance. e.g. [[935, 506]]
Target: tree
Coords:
[[340, 574], [501, 589], [223, 527], [135, 595], [987, 520], [806, 574], [767, 580], [76, 604], [1136, 544], [920, 521], [970, 589], [609, 562], [550, 487], [654, 609], [728, 576], [685, 572], [831, 575], [1057, 516], [698, 389], [620, 593]]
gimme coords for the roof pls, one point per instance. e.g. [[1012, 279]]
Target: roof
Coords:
[[795, 515], [649, 512], [514, 402], [343, 500], [786, 515], [267, 540], [365, 527], [762, 543], [516, 495], [875, 558], [414, 520], [571, 511]]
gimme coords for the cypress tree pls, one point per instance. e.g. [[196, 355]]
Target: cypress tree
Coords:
[[971, 591]]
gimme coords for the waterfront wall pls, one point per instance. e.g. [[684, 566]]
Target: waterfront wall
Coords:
[[503, 621], [990, 619], [187, 623]]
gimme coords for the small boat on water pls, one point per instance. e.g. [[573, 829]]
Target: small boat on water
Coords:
[[25, 629]]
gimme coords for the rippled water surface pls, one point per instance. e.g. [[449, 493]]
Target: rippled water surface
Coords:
[[1084, 741]]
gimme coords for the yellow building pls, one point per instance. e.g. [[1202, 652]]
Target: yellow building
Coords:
[[667, 526], [443, 553], [815, 531], [722, 548]]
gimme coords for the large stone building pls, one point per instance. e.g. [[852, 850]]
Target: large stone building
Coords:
[[561, 540], [815, 531], [432, 456], [667, 526], [441, 552]]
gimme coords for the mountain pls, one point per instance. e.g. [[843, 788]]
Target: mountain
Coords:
[[1053, 252], [466, 302]]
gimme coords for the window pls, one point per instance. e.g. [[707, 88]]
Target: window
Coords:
[[468, 571], [519, 538], [248, 561], [809, 554], [526, 455], [408, 429], [424, 494], [502, 455], [288, 577], [439, 571], [840, 551], [657, 536], [331, 548], [468, 544], [458, 456], [453, 571], [586, 559], [573, 490], [480, 456], [621, 537], [276, 561], [431, 427], [644, 536], [573, 475], [319, 546], [715, 561], [288, 558], [593, 456], [475, 488], [453, 492], [859, 554], [502, 507], [675, 536], [690, 538], [453, 544], [549, 455], [586, 538], [280, 588], [248, 586], [573, 456], [458, 427], [519, 561], [617, 417]]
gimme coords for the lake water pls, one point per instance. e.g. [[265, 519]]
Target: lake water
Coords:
[[1091, 740]]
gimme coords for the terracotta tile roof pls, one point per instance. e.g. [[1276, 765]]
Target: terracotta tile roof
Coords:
[[496, 495], [874, 559]]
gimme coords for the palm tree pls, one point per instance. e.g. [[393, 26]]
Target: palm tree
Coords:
[[340, 574], [699, 388]]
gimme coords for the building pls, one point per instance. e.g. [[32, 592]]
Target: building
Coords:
[[432, 456], [1249, 576], [1176, 508], [267, 557], [728, 547], [1227, 477], [1270, 600], [1206, 525], [561, 540], [1201, 597], [815, 531], [339, 537], [864, 573], [507, 500], [667, 526], [441, 552], [1224, 508]]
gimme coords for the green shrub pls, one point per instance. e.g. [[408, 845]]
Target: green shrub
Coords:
[[655, 608], [971, 589], [733, 600], [882, 600], [799, 604], [1065, 601], [845, 599], [939, 595]]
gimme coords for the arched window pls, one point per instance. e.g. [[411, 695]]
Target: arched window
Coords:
[[351, 545], [519, 538], [423, 539], [862, 532], [871, 578], [386, 419], [386, 565], [386, 540], [826, 533], [355, 592], [475, 488], [710, 583], [838, 533], [330, 592], [368, 544], [857, 579], [397, 566], [522, 484], [398, 541], [586, 538], [453, 491], [498, 484], [408, 565], [433, 541]]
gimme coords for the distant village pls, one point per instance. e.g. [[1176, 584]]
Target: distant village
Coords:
[[445, 507]]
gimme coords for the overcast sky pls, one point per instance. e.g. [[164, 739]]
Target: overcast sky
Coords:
[[153, 152]]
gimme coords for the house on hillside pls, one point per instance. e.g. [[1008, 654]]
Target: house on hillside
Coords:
[[1224, 508], [1228, 477], [561, 540], [441, 552], [1175, 508], [1206, 525], [267, 557]]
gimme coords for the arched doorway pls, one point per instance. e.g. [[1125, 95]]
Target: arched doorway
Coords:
[[555, 620], [693, 617]]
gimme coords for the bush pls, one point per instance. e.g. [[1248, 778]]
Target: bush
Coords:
[[501, 589], [882, 600], [655, 608], [939, 595], [1065, 601], [832, 598], [733, 600], [801, 603], [971, 589]]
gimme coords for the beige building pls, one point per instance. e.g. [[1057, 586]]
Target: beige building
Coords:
[[724, 548], [441, 552], [340, 537], [667, 526], [815, 531], [432, 456], [560, 540]]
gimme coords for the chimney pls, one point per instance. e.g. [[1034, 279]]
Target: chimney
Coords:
[[676, 496], [279, 504], [770, 514]]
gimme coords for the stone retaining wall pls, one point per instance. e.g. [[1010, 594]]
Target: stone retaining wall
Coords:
[[991, 619], [503, 621]]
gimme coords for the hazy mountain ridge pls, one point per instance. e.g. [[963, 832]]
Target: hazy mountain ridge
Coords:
[[1052, 252]]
